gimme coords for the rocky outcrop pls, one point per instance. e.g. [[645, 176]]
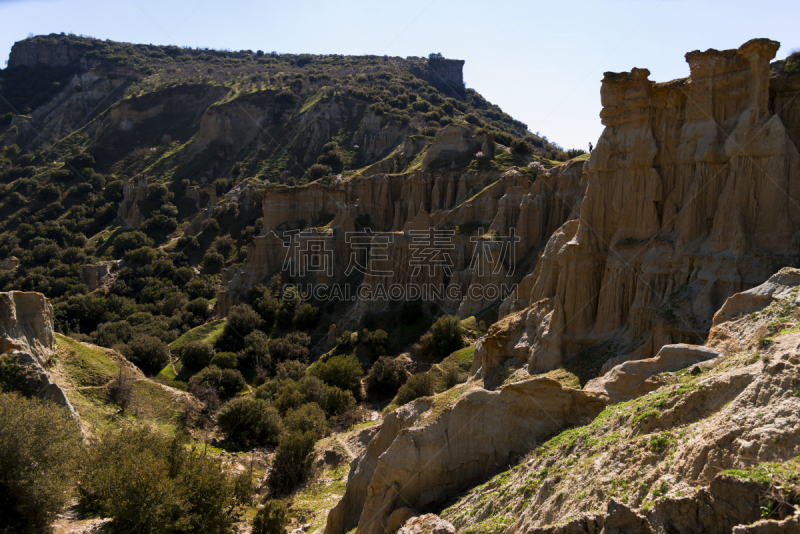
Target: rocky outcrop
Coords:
[[692, 195], [455, 445], [53, 54], [635, 378], [95, 275], [347, 511], [133, 192], [424, 524], [27, 336]]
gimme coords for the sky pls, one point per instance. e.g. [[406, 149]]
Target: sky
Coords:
[[540, 61]]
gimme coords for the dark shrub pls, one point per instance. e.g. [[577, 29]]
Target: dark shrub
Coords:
[[317, 171], [288, 396], [445, 337], [376, 342], [242, 320], [291, 347], [157, 193], [416, 386], [339, 401], [267, 307], [130, 241], [271, 519], [149, 482], [213, 261], [39, 446], [247, 420], [110, 334], [386, 376], [290, 369], [225, 360], [197, 354], [342, 371], [307, 418], [292, 461], [141, 256], [148, 353], [199, 307], [306, 316], [227, 382]]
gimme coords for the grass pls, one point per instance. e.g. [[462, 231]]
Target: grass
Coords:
[[317, 498], [779, 473], [208, 332]]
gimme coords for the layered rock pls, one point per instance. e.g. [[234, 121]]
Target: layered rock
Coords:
[[27, 336], [401, 219], [453, 446], [95, 275], [692, 195]]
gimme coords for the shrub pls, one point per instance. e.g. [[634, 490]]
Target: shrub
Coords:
[[292, 461], [290, 369], [227, 382], [256, 350], [267, 307], [342, 371], [376, 343], [446, 336], [130, 241], [248, 420], [242, 320], [451, 374], [271, 519], [197, 354], [307, 418], [17, 199], [291, 347], [149, 482], [148, 353], [49, 192], [200, 308], [39, 444], [288, 396], [339, 401], [225, 360], [386, 376], [141, 256], [306, 316], [157, 193], [416, 386], [110, 334], [317, 171], [213, 261]]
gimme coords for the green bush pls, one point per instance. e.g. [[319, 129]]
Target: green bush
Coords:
[[248, 420], [376, 342], [339, 401], [306, 317], [157, 193], [242, 320], [271, 519], [445, 337], [39, 445], [213, 261], [386, 376], [292, 461], [342, 371], [293, 346], [226, 382], [317, 171], [225, 360], [148, 353], [307, 418], [130, 241], [197, 354], [149, 482], [416, 386], [290, 369], [141, 256]]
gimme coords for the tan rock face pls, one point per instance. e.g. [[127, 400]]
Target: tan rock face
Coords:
[[633, 379], [26, 324], [96, 274], [692, 195], [27, 335], [450, 448]]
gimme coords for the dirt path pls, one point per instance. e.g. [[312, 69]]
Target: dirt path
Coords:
[[346, 447]]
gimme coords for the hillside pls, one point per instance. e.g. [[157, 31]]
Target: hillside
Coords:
[[363, 299]]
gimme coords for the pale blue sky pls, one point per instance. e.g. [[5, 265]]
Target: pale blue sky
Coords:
[[541, 61]]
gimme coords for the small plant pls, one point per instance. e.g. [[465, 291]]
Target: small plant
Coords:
[[660, 490], [768, 508]]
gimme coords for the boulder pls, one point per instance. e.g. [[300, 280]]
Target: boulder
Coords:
[[779, 286], [426, 524], [633, 379]]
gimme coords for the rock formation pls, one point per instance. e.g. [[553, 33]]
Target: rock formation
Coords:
[[691, 196], [27, 336], [132, 194], [394, 211], [449, 448], [98, 274]]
